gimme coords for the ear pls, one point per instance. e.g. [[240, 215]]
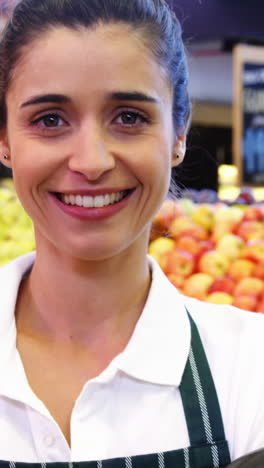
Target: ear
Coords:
[[179, 150], [5, 156]]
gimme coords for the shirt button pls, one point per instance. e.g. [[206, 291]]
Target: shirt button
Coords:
[[49, 440]]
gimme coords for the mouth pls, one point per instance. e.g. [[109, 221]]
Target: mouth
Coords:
[[98, 201]]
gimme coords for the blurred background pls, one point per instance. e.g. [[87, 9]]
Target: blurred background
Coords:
[[212, 29]]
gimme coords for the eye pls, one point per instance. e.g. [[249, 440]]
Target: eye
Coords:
[[131, 119], [49, 121]]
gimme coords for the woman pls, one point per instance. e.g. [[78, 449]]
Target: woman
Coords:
[[101, 357]]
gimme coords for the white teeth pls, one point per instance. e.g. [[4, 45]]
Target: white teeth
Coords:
[[99, 202], [88, 202], [79, 200], [93, 202]]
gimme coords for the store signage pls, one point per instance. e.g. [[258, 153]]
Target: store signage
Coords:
[[249, 114]]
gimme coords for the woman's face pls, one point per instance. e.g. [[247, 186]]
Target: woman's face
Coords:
[[90, 122]]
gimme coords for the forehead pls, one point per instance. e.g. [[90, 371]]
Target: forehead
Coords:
[[106, 57]]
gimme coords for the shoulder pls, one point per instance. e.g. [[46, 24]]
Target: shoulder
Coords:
[[12, 272], [224, 322], [229, 335]]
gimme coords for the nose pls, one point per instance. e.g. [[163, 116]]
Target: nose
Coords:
[[91, 154]]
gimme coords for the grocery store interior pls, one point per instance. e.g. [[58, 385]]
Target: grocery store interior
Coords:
[[221, 181]]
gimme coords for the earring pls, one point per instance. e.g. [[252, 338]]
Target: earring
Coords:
[[6, 156]]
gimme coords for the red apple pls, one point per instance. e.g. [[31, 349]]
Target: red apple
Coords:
[[253, 213], [250, 286], [213, 263], [241, 268], [184, 225], [223, 284], [251, 230], [197, 285], [180, 226], [246, 302], [260, 306], [254, 250], [205, 246], [199, 233], [258, 271], [189, 244], [223, 229], [180, 263], [176, 280]]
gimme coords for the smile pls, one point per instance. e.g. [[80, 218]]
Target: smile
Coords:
[[92, 202]]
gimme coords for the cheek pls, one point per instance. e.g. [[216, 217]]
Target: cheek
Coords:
[[32, 158], [154, 163], [31, 167]]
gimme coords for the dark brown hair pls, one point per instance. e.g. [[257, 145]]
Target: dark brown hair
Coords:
[[154, 18]]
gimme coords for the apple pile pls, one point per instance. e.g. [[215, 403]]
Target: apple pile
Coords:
[[214, 253]]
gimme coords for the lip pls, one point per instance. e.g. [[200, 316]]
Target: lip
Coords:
[[92, 214]]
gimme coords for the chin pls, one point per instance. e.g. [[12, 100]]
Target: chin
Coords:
[[93, 251], [87, 246]]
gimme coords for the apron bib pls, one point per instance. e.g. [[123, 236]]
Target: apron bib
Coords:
[[208, 447]]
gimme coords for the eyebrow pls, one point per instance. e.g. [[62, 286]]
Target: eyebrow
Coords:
[[133, 96], [46, 98], [115, 96]]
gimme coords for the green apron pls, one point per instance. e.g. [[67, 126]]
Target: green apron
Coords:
[[208, 447]]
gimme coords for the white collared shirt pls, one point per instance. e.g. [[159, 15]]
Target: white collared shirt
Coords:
[[134, 406]]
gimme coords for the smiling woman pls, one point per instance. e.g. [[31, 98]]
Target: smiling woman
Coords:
[[101, 357]]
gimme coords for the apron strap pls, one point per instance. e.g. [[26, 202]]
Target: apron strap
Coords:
[[199, 397]]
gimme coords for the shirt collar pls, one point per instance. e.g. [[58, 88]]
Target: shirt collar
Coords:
[[158, 349], [10, 278], [13, 383]]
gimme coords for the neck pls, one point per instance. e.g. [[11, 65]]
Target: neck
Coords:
[[65, 299]]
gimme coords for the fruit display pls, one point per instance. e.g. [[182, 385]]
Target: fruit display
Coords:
[[209, 251], [212, 252], [16, 228]]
